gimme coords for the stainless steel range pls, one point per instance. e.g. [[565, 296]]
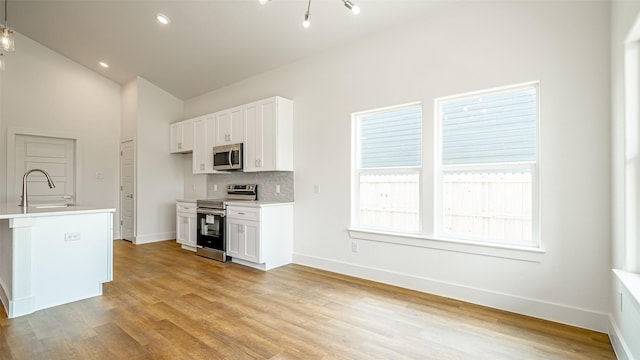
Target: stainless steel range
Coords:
[[212, 224]]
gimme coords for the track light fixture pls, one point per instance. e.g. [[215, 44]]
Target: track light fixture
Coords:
[[355, 9], [6, 36]]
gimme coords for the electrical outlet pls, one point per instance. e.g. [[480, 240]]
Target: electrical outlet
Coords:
[[278, 189], [72, 236], [215, 187], [354, 246], [316, 188]]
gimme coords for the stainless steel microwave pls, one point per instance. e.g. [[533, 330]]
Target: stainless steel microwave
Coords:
[[227, 157]]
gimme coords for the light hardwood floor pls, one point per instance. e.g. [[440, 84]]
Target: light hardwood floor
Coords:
[[167, 303]]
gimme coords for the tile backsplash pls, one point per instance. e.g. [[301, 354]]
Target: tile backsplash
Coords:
[[266, 182]]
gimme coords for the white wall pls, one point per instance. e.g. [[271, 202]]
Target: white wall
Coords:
[[458, 48], [159, 175], [44, 92], [625, 320]]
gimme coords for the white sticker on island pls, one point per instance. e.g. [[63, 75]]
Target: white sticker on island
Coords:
[[72, 236]]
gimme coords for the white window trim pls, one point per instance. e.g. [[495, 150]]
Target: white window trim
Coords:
[[355, 171], [452, 245], [438, 168]]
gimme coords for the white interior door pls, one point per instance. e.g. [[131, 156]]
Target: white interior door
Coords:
[[127, 191], [54, 155]]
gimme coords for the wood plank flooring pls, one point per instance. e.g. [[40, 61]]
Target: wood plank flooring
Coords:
[[167, 303]]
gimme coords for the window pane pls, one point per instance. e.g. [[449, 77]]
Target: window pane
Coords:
[[494, 128], [390, 201], [491, 205], [390, 138]]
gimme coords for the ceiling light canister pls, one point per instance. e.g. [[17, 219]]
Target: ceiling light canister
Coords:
[[262, 2], [163, 19], [104, 64]]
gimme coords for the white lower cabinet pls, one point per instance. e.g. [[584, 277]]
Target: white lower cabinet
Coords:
[[186, 225], [244, 240], [260, 236]]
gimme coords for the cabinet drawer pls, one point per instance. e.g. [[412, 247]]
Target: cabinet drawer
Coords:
[[186, 207], [245, 213]]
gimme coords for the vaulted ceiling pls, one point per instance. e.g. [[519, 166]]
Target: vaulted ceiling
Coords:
[[209, 43]]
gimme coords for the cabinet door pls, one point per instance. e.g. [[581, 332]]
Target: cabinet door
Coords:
[[176, 137], [236, 125], [234, 231], [243, 241], [182, 228], [203, 140], [192, 238], [253, 136], [251, 237], [229, 126], [187, 135], [223, 121], [200, 146], [269, 135]]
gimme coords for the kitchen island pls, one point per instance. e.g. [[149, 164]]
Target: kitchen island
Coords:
[[53, 256]]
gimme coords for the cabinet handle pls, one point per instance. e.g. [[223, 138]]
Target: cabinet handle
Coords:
[[201, 166], [179, 145], [240, 213]]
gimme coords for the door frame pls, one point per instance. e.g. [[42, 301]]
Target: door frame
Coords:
[[11, 158], [135, 190]]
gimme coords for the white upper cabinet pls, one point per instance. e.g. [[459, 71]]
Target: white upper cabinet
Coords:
[[182, 136], [268, 128], [203, 140], [229, 126], [265, 128]]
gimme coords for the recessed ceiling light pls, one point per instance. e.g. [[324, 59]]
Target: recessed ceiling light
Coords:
[[163, 19], [104, 64]]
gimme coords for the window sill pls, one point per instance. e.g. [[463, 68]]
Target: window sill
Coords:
[[631, 281], [467, 247]]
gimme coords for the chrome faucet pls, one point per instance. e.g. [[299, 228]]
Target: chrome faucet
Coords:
[[23, 201]]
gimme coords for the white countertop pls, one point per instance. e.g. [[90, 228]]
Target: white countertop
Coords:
[[187, 200], [257, 203], [16, 211]]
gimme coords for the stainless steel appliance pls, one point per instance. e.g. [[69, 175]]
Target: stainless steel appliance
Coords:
[[212, 224], [227, 157]]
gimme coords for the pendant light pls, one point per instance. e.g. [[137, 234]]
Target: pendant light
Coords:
[[6, 35]]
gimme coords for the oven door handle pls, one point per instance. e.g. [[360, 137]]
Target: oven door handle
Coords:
[[211, 212]]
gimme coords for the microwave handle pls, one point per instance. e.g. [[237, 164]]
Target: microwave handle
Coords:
[[230, 157]]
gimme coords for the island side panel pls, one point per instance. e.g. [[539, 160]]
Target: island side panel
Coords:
[[6, 264], [72, 257]]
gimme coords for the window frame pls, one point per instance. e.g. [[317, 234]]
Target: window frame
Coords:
[[439, 169], [356, 171]]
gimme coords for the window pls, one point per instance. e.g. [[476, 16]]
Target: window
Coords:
[[386, 172], [487, 167]]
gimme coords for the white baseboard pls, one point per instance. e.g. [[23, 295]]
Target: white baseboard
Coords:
[[570, 315], [619, 345], [151, 238]]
